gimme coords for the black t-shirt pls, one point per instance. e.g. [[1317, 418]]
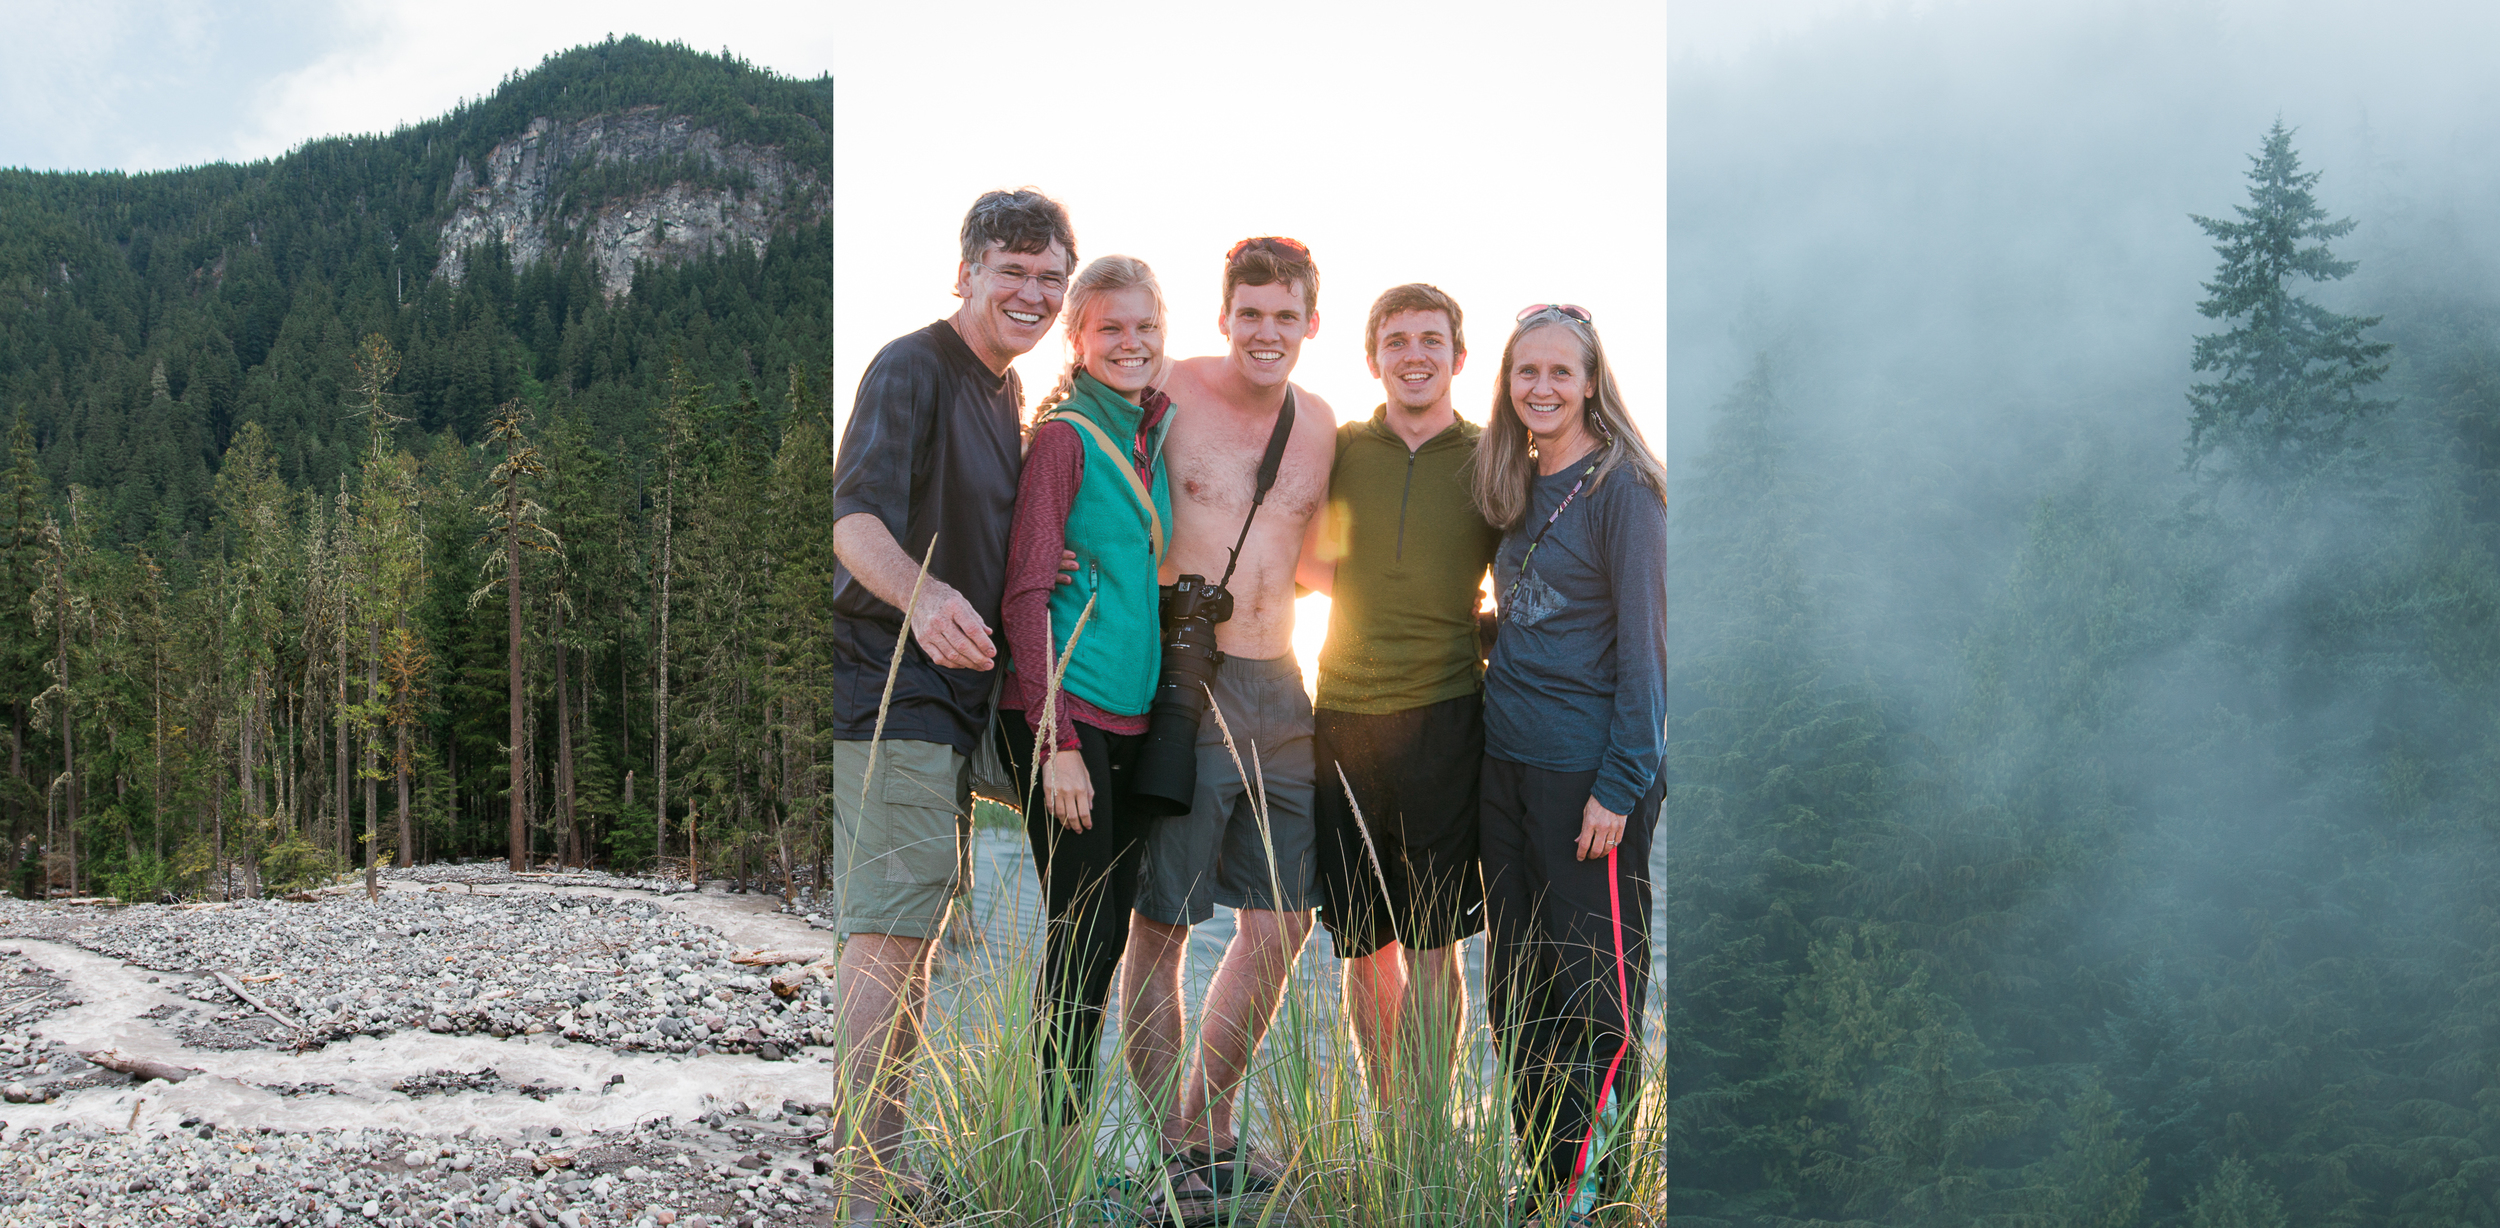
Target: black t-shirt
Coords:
[[932, 450]]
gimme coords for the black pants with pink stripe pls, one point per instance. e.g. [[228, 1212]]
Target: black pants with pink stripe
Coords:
[[1565, 1006]]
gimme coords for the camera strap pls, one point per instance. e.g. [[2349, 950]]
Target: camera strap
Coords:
[[1269, 465], [1539, 539]]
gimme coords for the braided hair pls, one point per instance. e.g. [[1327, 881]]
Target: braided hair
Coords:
[[1105, 274]]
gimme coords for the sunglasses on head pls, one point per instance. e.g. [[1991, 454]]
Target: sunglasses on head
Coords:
[[1275, 245], [1574, 310]]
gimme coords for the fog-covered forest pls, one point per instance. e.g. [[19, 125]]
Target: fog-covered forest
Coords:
[[2086, 708], [267, 470]]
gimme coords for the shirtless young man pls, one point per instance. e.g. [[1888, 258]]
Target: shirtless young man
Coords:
[[1225, 410]]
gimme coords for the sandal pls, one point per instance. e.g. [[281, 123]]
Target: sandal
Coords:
[[1174, 1176], [1226, 1172]]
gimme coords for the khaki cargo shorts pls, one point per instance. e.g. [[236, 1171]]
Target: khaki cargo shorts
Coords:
[[904, 856]]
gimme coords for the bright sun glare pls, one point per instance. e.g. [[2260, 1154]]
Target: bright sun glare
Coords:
[[1310, 630]]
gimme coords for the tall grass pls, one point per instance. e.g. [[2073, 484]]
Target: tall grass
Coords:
[[1442, 1157]]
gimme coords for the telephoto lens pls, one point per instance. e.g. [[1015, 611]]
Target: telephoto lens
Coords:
[[1167, 768]]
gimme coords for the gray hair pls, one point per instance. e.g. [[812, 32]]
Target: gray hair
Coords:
[[1020, 220]]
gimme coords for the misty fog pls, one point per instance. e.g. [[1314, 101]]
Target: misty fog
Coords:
[[2059, 835]]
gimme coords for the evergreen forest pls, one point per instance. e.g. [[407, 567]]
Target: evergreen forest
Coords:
[[2085, 764], [314, 559]]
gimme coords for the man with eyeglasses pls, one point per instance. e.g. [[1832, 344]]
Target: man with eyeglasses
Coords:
[[1226, 412], [926, 469]]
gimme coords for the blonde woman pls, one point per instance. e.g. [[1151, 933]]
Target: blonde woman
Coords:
[[1575, 730], [1093, 485]]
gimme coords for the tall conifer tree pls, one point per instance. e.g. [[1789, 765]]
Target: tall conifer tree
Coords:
[[2290, 373], [516, 527]]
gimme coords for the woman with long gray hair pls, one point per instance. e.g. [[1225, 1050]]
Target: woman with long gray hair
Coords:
[[1093, 485], [1575, 731]]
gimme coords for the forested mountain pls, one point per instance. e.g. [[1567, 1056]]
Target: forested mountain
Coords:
[[255, 527], [2086, 707]]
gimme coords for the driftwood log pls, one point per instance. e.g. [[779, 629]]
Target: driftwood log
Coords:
[[257, 1004], [789, 981], [762, 958], [139, 1067]]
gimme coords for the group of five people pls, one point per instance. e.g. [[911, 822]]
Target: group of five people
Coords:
[[1017, 584]]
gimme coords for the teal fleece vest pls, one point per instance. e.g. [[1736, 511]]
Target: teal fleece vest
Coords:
[[1118, 659]]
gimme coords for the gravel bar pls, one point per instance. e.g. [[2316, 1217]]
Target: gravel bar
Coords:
[[725, 1170], [624, 973]]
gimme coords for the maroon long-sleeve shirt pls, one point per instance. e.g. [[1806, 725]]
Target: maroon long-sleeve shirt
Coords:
[[1053, 469]]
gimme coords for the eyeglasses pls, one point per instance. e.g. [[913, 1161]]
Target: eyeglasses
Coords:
[[1014, 280], [1274, 245], [1574, 310]]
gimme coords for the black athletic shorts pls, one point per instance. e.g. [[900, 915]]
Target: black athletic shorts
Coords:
[[1416, 774]]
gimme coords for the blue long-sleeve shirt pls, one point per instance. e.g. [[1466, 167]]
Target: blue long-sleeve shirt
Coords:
[[1578, 679]]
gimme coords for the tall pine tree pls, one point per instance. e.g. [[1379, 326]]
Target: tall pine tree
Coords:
[[2290, 373]]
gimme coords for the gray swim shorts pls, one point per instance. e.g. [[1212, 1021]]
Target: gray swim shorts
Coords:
[[1215, 854]]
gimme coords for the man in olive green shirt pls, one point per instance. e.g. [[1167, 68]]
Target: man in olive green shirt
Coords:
[[1400, 712]]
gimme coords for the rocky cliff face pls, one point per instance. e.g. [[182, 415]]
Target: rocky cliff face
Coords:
[[635, 186]]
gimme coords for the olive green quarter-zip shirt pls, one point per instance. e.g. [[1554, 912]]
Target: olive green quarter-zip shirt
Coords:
[[1411, 553]]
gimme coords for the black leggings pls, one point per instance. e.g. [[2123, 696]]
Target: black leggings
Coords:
[[1559, 995], [1089, 882]]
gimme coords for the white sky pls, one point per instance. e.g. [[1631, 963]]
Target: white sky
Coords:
[[1724, 30], [1508, 153]]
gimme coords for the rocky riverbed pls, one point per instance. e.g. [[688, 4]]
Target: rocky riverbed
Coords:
[[470, 1048], [746, 1170], [621, 972]]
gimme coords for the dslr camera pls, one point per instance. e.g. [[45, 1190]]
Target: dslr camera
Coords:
[[1167, 768]]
